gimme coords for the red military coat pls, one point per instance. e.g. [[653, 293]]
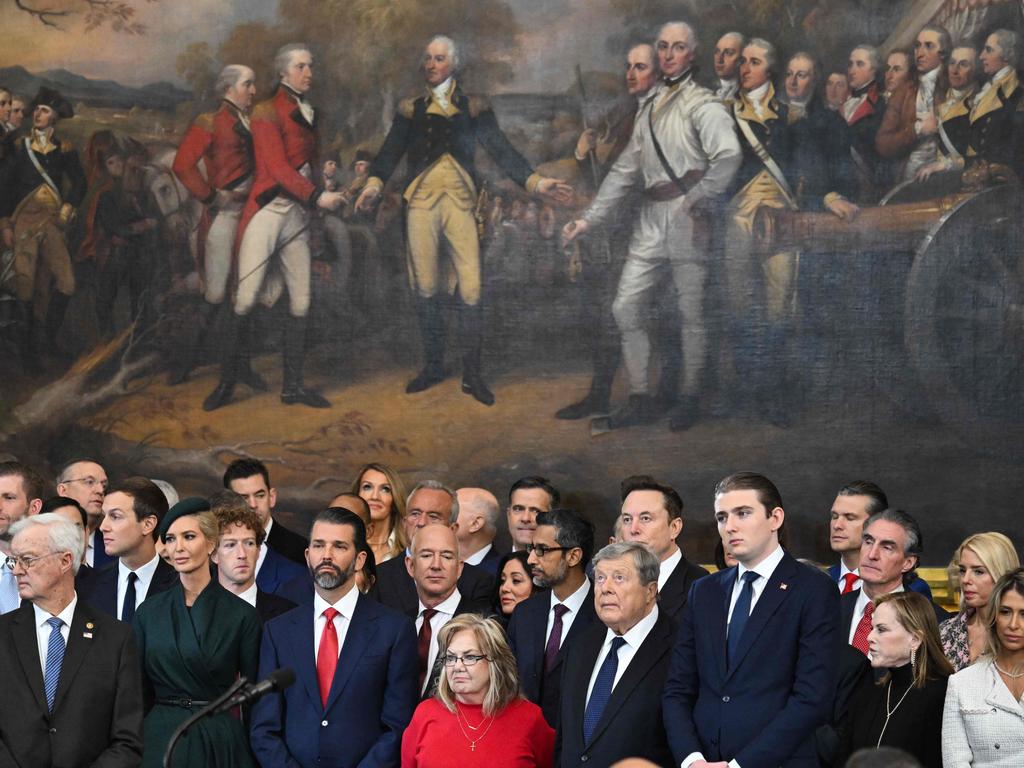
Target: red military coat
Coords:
[[225, 146], [283, 142]]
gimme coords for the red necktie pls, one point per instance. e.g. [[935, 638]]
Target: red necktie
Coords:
[[851, 579], [860, 637], [423, 642], [327, 656]]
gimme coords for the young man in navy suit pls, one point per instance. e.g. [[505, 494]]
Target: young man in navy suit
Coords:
[[355, 694], [752, 673]]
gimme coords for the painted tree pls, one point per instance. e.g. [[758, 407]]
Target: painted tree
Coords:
[[119, 15]]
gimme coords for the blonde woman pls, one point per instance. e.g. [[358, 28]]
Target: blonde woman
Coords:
[[384, 492], [478, 717], [903, 708], [982, 559]]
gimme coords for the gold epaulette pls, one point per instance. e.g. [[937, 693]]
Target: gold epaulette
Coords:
[[265, 111], [204, 121], [406, 107], [478, 104]]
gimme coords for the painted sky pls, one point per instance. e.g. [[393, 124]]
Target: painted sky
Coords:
[[558, 34]]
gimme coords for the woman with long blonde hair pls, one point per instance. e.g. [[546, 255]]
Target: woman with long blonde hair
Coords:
[[384, 492]]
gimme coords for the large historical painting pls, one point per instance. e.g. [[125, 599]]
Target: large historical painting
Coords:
[[893, 352]]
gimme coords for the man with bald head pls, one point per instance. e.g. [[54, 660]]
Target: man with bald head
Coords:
[[433, 564], [682, 156], [728, 51], [479, 513], [85, 481], [222, 142]]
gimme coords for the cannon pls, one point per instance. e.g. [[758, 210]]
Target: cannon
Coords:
[[963, 301]]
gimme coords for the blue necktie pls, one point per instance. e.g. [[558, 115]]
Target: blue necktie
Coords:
[[128, 607], [9, 599], [602, 689], [54, 659], [740, 614]]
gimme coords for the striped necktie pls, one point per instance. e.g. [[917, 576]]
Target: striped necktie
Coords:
[[54, 660]]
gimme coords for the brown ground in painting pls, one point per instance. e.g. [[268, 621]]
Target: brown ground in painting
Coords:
[[313, 454]]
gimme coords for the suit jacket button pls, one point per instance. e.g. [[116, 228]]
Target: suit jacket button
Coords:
[[725, 699], [323, 723], [584, 758], [54, 730]]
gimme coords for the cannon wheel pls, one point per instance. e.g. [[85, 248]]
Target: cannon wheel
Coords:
[[964, 318]]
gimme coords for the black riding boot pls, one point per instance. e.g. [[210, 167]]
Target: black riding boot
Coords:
[[428, 310], [230, 356], [471, 322], [294, 392]]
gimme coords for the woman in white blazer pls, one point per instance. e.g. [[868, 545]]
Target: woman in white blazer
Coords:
[[983, 720]]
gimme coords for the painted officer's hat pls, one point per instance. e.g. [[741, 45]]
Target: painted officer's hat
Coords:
[[48, 97]]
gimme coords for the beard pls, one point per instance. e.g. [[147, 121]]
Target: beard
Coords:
[[330, 577], [548, 582]]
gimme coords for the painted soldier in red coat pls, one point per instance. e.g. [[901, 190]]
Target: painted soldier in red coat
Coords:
[[273, 234], [222, 142]]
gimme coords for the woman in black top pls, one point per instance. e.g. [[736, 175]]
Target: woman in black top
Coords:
[[903, 707]]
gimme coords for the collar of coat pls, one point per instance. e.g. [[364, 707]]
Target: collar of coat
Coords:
[[996, 96], [769, 105]]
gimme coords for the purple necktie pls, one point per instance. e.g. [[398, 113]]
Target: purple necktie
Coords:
[[554, 639]]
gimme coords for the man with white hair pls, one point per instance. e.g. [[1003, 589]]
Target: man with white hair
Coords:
[[438, 133], [73, 680], [222, 142], [273, 231], [728, 51], [682, 156], [479, 512]]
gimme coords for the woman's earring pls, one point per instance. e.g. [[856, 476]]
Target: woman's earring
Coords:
[[913, 658]]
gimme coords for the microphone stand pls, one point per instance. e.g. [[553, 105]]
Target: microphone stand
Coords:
[[204, 712]]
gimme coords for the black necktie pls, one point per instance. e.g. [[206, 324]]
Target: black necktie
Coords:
[[128, 608], [740, 614]]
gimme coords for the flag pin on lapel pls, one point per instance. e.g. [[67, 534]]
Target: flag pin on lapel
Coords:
[[783, 586]]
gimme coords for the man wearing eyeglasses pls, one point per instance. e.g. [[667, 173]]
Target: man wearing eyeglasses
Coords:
[[543, 625], [73, 682], [434, 565], [85, 481], [21, 495]]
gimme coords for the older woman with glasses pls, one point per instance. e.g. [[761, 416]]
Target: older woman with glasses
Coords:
[[477, 717]]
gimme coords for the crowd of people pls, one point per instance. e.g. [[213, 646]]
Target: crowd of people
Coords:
[[398, 633]]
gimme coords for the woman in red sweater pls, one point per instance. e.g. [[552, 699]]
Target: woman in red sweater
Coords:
[[478, 716]]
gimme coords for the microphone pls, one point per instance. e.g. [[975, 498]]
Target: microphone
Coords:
[[277, 680]]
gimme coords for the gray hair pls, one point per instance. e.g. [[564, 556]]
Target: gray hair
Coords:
[[648, 567], [874, 56], [1007, 40], [690, 32], [283, 57], [62, 535], [807, 56], [770, 55], [453, 49], [437, 485], [738, 35], [229, 77]]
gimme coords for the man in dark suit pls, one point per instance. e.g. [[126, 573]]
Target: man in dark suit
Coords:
[[438, 133], [85, 481], [238, 549], [433, 564], [752, 672], [891, 548], [652, 514], [615, 671], [132, 511], [72, 678], [479, 513], [251, 479], [543, 626], [430, 503], [355, 695]]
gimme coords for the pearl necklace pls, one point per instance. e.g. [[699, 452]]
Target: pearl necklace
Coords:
[[460, 715], [890, 712], [1012, 675]]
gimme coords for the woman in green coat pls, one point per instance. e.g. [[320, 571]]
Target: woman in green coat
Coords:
[[194, 640]]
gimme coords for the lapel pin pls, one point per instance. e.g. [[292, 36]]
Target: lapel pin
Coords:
[[783, 586], [89, 625]]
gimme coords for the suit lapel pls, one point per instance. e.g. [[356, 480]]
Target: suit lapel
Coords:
[[27, 645], [575, 691], [654, 647], [302, 658], [718, 618], [81, 636], [360, 632], [775, 592], [106, 590]]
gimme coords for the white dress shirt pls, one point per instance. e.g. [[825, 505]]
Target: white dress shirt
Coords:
[[764, 569], [90, 550], [573, 602], [43, 629], [756, 97], [727, 89], [345, 608], [858, 611], [843, 570], [145, 578], [634, 638], [250, 597], [668, 565], [477, 557], [445, 611]]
